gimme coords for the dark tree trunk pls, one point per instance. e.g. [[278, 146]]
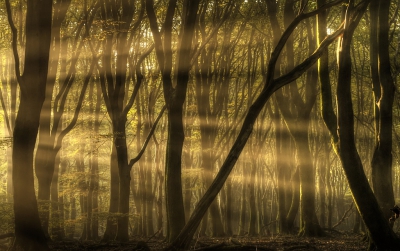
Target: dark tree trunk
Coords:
[[282, 139], [61, 200], [57, 233], [228, 208], [322, 191], [28, 231], [94, 183], [384, 90], [124, 180], [45, 155], [111, 227], [72, 217], [295, 204], [174, 98], [253, 230], [243, 202], [83, 188]]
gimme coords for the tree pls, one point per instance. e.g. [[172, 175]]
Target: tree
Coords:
[[384, 90], [115, 80], [174, 95], [342, 135], [28, 231], [51, 133]]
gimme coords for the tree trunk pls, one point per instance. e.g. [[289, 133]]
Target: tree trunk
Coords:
[[28, 231], [83, 188], [61, 200], [124, 180], [57, 233], [228, 208], [72, 217], [149, 198], [282, 139], [295, 205], [253, 230], [322, 191], [310, 225], [384, 91], [174, 98], [95, 171], [45, 157], [243, 200], [111, 227]]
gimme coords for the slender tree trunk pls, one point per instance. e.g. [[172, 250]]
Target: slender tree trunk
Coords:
[[72, 217], [228, 208], [83, 188], [243, 199], [253, 230], [13, 101], [148, 172], [282, 139], [61, 200], [295, 204], [92, 150], [95, 169], [56, 232]]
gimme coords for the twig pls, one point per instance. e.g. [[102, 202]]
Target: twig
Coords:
[[151, 237], [344, 216]]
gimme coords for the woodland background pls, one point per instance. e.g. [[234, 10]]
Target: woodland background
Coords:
[[141, 103]]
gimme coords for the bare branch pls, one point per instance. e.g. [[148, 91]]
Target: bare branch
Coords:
[[153, 128], [14, 41]]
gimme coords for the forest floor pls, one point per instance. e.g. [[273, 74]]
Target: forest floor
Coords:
[[334, 241]]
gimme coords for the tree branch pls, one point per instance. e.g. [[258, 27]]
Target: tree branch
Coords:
[[14, 42], [153, 128]]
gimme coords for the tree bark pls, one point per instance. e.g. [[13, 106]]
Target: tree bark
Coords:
[[111, 226], [174, 98], [28, 231], [384, 90], [45, 154], [113, 79]]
